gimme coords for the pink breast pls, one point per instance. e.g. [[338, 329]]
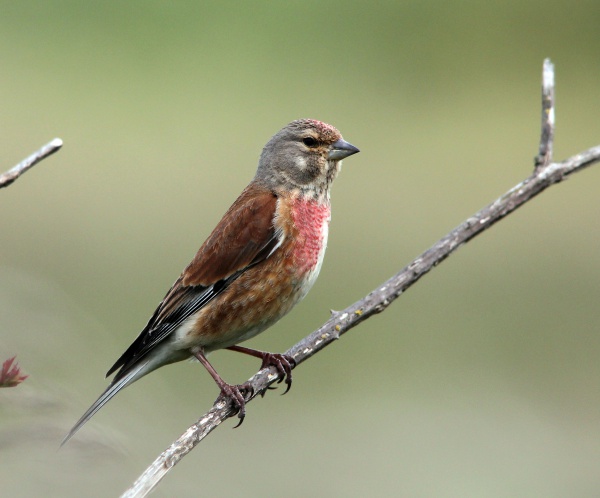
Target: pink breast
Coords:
[[312, 222]]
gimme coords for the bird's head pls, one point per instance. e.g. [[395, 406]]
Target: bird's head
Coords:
[[305, 156]]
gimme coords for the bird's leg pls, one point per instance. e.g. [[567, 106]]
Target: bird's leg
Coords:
[[234, 393], [282, 362]]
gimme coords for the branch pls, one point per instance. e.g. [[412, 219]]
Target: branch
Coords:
[[544, 156], [545, 175], [47, 150]]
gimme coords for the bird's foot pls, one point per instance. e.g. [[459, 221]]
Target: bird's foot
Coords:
[[237, 397], [284, 364]]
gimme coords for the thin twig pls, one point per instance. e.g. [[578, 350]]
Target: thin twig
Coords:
[[544, 157], [12, 174], [379, 299]]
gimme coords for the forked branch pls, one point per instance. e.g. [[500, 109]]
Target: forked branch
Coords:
[[545, 174]]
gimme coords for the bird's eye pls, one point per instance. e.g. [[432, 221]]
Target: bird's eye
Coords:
[[310, 142]]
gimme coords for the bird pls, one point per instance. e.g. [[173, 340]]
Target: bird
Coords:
[[261, 259]]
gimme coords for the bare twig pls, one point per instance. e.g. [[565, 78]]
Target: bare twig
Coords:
[[545, 174], [12, 174], [544, 156]]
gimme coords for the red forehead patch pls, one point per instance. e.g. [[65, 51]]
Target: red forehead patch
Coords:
[[325, 132], [325, 129]]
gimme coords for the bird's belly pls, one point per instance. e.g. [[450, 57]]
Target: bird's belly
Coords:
[[265, 293], [251, 304]]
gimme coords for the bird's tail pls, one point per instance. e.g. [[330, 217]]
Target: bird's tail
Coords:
[[116, 385]]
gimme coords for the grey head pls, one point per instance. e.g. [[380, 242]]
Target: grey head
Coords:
[[304, 156]]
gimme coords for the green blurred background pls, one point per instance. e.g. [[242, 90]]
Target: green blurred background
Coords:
[[483, 380]]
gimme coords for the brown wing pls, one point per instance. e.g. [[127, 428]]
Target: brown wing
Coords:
[[244, 237], [236, 241]]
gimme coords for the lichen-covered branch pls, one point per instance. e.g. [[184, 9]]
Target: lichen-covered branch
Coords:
[[546, 174]]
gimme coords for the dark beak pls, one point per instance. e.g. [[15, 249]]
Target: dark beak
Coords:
[[340, 150]]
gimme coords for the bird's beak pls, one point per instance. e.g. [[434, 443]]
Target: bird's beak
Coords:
[[341, 149]]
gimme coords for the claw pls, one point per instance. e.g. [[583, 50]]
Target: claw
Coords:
[[284, 364], [236, 395]]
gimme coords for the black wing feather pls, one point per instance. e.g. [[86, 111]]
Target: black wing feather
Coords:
[[193, 298]]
